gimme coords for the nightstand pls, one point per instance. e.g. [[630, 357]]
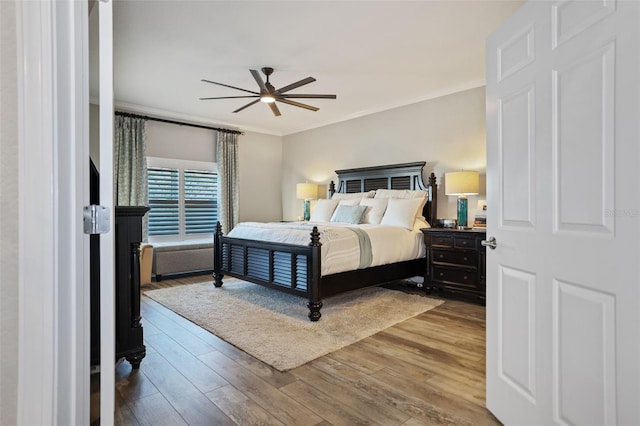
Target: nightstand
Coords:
[[456, 262]]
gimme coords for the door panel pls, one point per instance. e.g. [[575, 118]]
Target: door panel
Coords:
[[563, 138], [570, 18], [584, 361], [516, 53], [517, 159], [517, 355], [582, 117]]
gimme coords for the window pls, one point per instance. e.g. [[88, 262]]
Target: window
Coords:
[[183, 199], [200, 201]]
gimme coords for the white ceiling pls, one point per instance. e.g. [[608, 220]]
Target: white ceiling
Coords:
[[374, 55]]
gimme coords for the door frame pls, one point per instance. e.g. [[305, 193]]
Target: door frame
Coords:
[[53, 139]]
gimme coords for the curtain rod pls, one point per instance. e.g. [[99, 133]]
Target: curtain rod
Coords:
[[179, 123]]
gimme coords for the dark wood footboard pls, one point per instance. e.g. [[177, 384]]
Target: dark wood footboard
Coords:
[[297, 269], [287, 267]]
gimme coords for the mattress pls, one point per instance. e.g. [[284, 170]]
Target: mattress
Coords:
[[345, 247]]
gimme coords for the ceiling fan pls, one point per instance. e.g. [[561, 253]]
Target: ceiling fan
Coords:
[[269, 94]]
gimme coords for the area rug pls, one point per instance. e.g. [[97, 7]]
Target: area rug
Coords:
[[273, 326]]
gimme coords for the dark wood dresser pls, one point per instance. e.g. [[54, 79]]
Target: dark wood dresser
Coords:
[[129, 343], [128, 235], [456, 262]]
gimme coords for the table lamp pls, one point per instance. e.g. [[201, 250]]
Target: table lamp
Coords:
[[306, 192], [462, 184]]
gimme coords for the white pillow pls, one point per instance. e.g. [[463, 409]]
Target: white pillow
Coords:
[[401, 212], [348, 214], [346, 196], [351, 201], [404, 194], [375, 209], [323, 210], [400, 193]]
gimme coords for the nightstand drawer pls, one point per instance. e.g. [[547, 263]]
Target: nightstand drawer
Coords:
[[455, 262], [458, 276], [464, 243], [455, 257], [442, 241]]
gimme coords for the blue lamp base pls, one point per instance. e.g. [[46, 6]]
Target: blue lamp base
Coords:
[[462, 212], [307, 209]]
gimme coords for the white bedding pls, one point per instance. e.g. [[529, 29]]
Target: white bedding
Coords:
[[340, 245]]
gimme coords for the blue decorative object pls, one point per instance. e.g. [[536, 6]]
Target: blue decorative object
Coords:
[[462, 212], [307, 209]]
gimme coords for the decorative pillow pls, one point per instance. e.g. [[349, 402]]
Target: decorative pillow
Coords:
[[346, 196], [375, 209], [351, 201], [323, 210], [348, 214], [401, 212], [400, 193]]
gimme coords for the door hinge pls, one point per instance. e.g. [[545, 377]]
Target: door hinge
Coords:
[[96, 219]]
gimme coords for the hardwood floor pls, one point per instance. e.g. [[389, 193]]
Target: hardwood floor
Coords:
[[428, 370]]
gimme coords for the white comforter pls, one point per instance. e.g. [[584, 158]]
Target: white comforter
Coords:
[[340, 245]]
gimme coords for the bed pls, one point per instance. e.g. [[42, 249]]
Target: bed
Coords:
[[297, 268]]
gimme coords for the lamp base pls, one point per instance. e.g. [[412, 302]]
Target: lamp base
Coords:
[[307, 209], [462, 212]]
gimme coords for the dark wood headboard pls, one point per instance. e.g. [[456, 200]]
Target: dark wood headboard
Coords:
[[394, 176]]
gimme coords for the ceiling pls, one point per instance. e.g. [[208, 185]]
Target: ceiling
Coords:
[[374, 55]]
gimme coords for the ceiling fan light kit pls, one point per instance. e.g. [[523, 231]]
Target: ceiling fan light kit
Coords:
[[269, 94]]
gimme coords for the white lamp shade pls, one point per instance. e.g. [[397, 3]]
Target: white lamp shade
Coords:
[[306, 191], [462, 183]]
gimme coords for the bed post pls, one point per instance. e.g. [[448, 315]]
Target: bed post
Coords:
[[433, 186], [332, 189], [217, 256], [315, 304]]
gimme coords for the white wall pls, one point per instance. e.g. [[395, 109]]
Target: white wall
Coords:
[[180, 142], [260, 162], [8, 215], [447, 132], [260, 177]]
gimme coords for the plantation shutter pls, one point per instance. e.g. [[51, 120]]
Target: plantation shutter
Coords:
[[164, 190], [200, 201]]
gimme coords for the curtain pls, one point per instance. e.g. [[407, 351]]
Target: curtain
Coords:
[[130, 164], [227, 159]]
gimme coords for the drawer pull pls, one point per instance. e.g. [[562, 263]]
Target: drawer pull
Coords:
[[441, 274], [466, 258], [465, 277], [442, 256]]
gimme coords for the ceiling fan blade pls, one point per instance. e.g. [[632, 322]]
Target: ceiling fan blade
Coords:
[[231, 97], [274, 109], [256, 76], [247, 105], [298, 104], [296, 84], [231, 87], [310, 96]]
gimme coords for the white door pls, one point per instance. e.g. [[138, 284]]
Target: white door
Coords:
[[53, 98], [107, 240], [563, 114]]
